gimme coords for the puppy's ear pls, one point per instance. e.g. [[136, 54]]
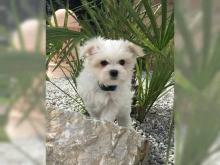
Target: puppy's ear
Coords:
[[90, 47], [88, 50], [137, 51]]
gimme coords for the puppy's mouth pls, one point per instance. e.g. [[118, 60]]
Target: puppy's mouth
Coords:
[[114, 78], [107, 87]]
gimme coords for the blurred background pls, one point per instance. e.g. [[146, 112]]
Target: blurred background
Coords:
[[197, 78], [22, 49]]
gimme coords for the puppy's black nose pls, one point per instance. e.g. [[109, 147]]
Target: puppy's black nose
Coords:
[[114, 73]]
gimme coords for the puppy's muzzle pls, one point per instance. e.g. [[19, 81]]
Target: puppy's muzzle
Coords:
[[113, 73]]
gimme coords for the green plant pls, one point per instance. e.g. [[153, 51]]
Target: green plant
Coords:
[[152, 83], [137, 22], [197, 79]]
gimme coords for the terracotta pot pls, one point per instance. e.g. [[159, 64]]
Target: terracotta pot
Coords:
[[72, 23], [58, 72], [31, 32]]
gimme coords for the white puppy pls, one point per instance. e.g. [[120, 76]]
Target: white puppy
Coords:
[[105, 82]]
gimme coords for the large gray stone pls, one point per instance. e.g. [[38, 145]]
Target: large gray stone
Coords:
[[74, 140]]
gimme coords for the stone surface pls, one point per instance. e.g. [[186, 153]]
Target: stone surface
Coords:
[[155, 126], [73, 139]]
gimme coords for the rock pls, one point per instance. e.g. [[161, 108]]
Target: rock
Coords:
[[73, 139]]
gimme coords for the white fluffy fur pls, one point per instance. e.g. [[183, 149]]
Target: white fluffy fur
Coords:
[[108, 105]]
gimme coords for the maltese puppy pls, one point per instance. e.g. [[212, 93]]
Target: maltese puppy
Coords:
[[105, 82]]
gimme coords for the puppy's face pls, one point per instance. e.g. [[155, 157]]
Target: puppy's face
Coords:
[[111, 61]]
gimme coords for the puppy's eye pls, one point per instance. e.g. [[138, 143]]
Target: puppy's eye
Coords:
[[122, 62], [104, 62]]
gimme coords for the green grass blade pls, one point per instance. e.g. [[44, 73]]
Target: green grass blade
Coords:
[[53, 13], [169, 33], [164, 20], [151, 16]]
